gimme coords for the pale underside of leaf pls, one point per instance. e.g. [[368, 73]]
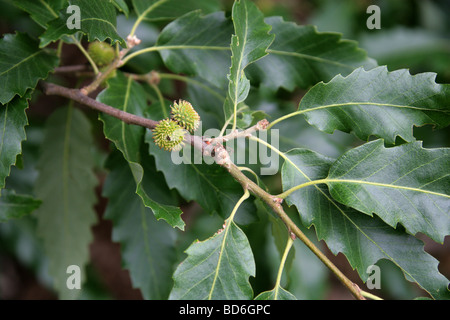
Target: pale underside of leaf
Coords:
[[66, 187], [22, 65]]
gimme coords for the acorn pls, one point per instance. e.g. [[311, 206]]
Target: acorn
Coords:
[[184, 114], [101, 52], [168, 135]]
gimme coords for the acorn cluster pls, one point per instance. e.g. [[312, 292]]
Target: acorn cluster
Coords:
[[169, 133]]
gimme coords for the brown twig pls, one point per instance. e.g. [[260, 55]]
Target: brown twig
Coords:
[[76, 95], [73, 68]]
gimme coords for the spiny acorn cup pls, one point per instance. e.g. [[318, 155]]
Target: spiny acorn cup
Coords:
[[101, 52], [168, 135], [185, 115]]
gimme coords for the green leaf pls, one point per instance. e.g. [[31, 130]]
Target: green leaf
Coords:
[[97, 21], [209, 185], [42, 11], [217, 268], [22, 65], [121, 5], [406, 184], [377, 102], [126, 94], [13, 120], [170, 9], [191, 49], [147, 246], [363, 239], [249, 44], [66, 186], [278, 293], [14, 206], [300, 56]]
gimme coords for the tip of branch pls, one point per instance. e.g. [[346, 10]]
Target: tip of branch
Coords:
[[133, 41]]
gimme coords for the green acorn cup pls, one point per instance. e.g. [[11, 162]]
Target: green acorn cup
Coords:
[[168, 135], [184, 114], [101, 52]]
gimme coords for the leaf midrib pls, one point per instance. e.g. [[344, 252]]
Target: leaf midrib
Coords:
[[364, 182], [50, 9], [21, 61], [365, 103], [310, 57]]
